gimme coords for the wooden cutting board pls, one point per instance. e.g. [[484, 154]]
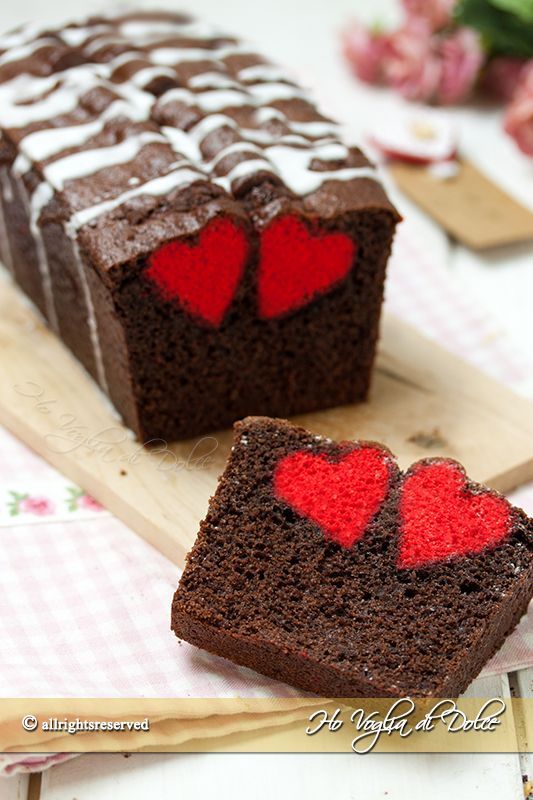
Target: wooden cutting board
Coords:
[[467, 204], [424, 401]]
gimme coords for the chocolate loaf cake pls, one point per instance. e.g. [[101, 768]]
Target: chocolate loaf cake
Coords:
[[323, 565], [188, 222]]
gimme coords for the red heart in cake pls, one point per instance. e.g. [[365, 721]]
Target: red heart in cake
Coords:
[[341, 497], [203, 277], [297, 264], [441, 518]]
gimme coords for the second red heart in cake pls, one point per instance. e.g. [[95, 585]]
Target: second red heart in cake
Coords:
[[297, 262], [323, 565]]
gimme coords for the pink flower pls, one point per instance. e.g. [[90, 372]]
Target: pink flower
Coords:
[[518, 121], [428, 67], [428, 59], [437, 13], [365, 50], [40, 506], [412, 67], [503, 75], [89, 503], [462, 58]]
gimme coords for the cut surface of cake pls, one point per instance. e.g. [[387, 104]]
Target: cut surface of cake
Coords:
[[177, 207], [323, 565]]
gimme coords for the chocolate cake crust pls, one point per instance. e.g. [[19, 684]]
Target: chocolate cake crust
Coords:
[[268, 588]]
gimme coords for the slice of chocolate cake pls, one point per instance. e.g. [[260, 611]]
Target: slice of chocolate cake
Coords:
[[188, 222], [323, 565]]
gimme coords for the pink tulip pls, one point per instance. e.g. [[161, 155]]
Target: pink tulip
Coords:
[[461, 58], [40, 506], [437, 13], [518, 120], [365, 50], [503, 76]]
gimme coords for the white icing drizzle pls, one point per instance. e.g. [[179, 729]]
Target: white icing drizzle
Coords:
[[92, 323], [298, 141], [288, 159], [285, 153], [21, 36], [290, 156], [182, 176], [212, 122], [236, 147], [88, 162], [176, 55], [34, 206], [329, 151], [102, 41], [44, 144], [208, 124], [126, 58], [7, 191], [210, 100], [21, 164], [266, 114], [5, 247], [258, 136], [137, 98], [317, 129], [262, 72], [144, 76], [182, 142], [25, 50], [166, 56], [213, 80], [294, 165], [265, 93], [61, 101], [41, 196], [75, 37], [146, 31], [241, 170], [26, 98]]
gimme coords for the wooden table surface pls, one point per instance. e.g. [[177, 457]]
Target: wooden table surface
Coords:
[[303, 35]]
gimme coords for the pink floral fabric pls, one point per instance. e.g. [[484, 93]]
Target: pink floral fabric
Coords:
[[61, 501]]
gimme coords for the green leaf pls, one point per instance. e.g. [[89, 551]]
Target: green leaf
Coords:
[[17, 497], [502, 31], [523, 9]]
